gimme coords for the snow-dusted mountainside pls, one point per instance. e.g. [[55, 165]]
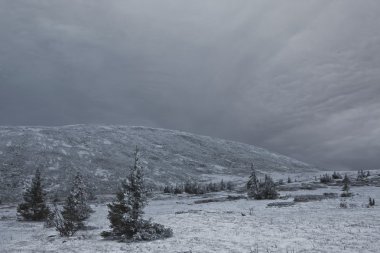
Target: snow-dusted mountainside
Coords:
[[102, 154]]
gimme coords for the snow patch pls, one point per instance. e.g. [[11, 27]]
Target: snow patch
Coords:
[[107, 142]]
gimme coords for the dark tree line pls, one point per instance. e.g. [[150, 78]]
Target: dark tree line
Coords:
[[199, 188]]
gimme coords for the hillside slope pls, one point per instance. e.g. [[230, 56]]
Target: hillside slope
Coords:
[[102, 154]]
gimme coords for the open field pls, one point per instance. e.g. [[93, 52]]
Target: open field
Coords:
[[317, 226]]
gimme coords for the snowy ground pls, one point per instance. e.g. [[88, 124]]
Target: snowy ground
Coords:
[[220, 227]]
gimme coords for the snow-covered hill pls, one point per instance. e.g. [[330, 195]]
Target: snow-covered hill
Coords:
[[103, 153]]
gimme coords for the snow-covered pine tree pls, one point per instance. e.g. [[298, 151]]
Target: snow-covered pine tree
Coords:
[[126, 212], [346, 186], [253, 184], [136, 191], [268, 189], [222, 185], [34, 207], [65, 226], [76, 208]]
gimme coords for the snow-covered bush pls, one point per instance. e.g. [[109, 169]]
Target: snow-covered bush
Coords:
[[343, 204]]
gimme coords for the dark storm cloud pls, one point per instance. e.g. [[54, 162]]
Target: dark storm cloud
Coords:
[[297, 77]]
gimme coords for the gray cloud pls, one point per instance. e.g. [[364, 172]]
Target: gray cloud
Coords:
[[297, 77]]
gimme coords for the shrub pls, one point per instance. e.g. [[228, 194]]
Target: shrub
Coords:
[[343, 204]]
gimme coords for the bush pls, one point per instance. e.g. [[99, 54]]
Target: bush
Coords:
[[152, 231], [343, 204], [346, 194]]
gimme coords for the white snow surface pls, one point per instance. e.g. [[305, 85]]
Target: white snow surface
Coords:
[[220, 227]]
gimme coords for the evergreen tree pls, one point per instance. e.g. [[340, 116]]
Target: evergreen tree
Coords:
[[76, 208], [136, 191], [126, 212], [346, 186], [268, 189], [65, 226], [261, 190], [222, 185], [118, 215], [230, 186], [253, 184], [34, 207]]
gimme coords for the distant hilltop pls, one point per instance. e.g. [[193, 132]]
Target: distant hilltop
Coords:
[[103, 153]]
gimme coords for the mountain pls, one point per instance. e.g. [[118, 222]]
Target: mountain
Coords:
[[103, 154]]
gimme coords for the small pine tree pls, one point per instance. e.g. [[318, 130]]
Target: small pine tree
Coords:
[[126, 212], [230, 186], [34, 207], [346, 186], [117, 211], [361, 175], [289, 180], [325, 179], [269, 188], [371, 202], [135, 190], [222, 185], [336, 175], [65, 226], [76, 208], [261, 190], [252, 184]]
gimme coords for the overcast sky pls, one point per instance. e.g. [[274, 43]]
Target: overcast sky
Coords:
[[299, 77]]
